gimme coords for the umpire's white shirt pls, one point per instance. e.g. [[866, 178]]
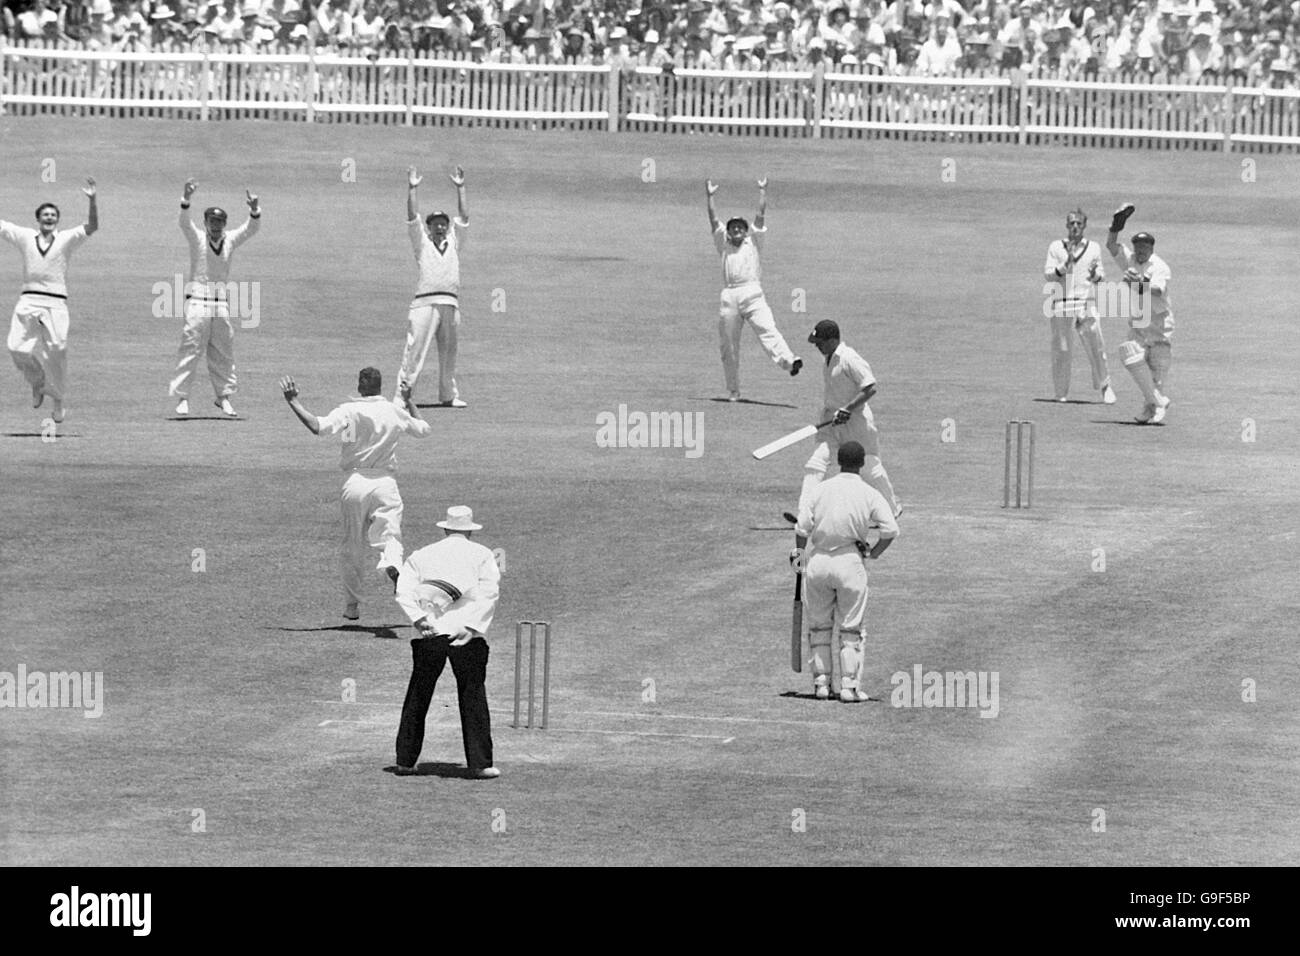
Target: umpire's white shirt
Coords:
[[370, 427], [472, 584]]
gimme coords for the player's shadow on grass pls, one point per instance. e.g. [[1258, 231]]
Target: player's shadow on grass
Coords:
[[434, 769], [59, 436], [1069, 401], [833, 699], [204, 418], [382, 631], [1127, 421], [746, 401]]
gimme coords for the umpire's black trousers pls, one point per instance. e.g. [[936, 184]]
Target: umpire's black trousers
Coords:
[[469, 664]]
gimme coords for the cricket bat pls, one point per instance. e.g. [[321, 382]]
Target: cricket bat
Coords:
[[793, 438], [796, 626]]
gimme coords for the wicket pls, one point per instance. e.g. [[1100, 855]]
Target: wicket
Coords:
[[1019, 427], [533, 628]]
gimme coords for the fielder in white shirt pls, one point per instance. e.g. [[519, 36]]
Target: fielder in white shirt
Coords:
[[208, 330], [1072, 271], [1147, 352], [742, 294], [372, 506], [434, 315], [831, 535], [449, 591], [38, 330]]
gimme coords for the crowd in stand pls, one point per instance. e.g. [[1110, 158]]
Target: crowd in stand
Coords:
[[1249, 41]]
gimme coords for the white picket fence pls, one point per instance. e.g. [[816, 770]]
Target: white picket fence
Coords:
[[414, 90]]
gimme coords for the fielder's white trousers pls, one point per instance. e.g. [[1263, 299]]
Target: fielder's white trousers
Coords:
[[1088, 327], [372, 520], [746, 304], [430, 322], [208, 331], [38, 342]]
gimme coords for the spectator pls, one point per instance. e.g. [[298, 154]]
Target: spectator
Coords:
[[368, 28], [38, 22], [1205, 55], [941, 54]]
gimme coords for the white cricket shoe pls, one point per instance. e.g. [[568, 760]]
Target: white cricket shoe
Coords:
[[351, 612], [1148, 413], [734, 397], [1157, 417], [822, 688], [485, 773], [851, 695], [1062, 399], [1108, 395], [58, 412], [226, 408], [455, 403], [183, 408]]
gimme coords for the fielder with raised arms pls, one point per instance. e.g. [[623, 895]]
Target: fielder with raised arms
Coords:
[[1072, 272], [38, 331], [370, 426], [1147, 352], [208, 330], [434, 315], [742, 295]]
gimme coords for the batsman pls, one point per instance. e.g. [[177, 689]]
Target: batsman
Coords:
[[831, 535]]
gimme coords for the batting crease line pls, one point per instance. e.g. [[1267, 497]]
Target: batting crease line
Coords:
[[560, 730]]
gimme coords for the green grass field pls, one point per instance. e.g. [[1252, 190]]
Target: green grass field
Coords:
[[1119, 689]]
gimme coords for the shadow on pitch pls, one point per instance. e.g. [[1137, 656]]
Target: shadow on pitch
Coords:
[[1069, 401], [383, 631], [1127, 421], [832, 700], [204, 418], [431, 769], [59, 436], [746, 401]]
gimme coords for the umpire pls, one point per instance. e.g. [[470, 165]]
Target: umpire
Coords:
[[449, 591]]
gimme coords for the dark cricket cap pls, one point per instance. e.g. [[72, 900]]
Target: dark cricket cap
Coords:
[[215, 212], [851, 455], [824, 330], [1144, 237]]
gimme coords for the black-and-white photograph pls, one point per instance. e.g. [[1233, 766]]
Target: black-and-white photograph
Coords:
[[524, 433]]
